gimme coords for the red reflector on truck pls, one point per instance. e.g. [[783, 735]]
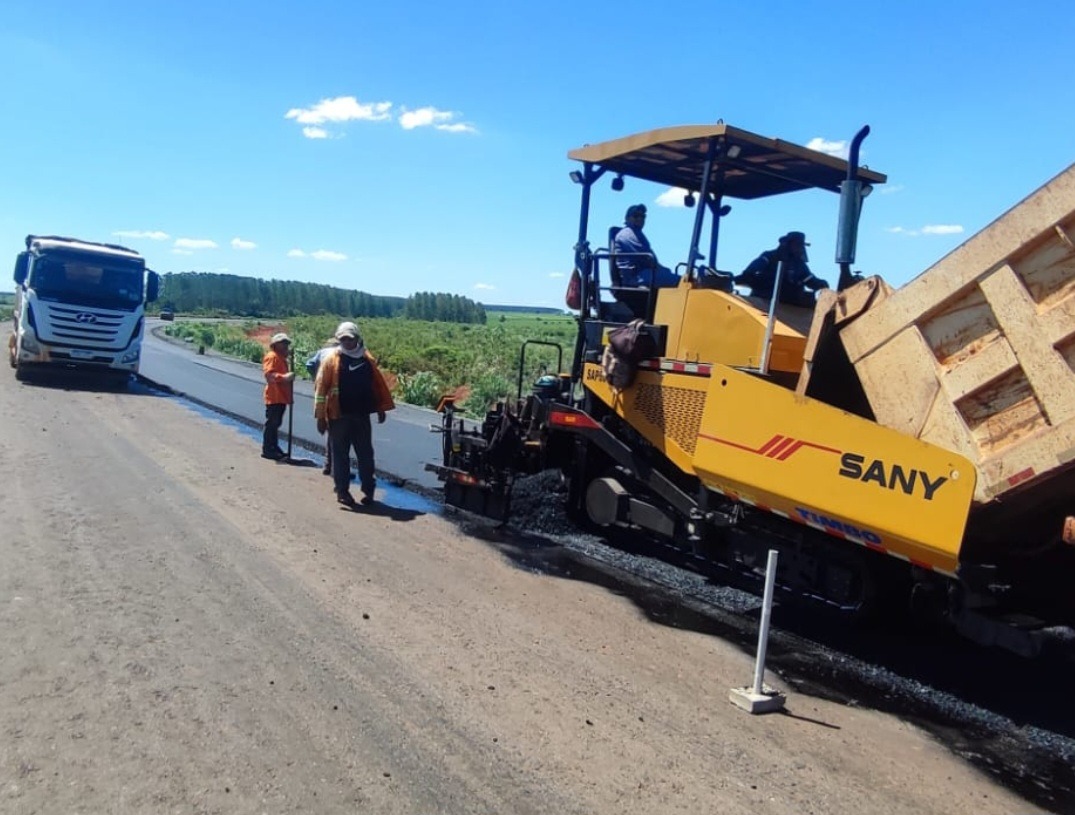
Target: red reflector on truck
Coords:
[[565, 419]]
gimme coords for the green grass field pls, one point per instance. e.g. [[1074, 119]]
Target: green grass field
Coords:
[[480, 362]]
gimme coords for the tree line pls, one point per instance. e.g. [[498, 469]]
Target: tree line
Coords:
[[226, 294]]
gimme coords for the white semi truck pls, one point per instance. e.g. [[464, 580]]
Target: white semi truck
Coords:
[[79, 305]]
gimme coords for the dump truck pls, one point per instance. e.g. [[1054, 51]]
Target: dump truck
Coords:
[[902, 449], [79, 305]]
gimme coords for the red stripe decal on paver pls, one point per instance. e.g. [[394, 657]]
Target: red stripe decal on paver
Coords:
[[786, 453], [786, 442], [779, 447], [764, 449]]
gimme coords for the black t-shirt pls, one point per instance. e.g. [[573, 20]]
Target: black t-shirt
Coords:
[[356, 385]]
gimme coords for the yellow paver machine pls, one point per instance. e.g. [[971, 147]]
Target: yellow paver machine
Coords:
[[900, 449]]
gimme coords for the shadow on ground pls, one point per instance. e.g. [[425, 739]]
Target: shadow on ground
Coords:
[[1009, 717]]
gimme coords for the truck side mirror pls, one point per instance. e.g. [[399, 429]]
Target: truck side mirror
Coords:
[[153, 287], [22, 266]]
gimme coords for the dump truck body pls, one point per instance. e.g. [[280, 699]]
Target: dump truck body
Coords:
[[977, 354]]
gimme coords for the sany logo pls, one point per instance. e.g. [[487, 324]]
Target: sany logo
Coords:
[[909, 481], [889, 476]]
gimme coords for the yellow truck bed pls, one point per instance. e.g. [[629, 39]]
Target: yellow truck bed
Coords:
[[977, 354]]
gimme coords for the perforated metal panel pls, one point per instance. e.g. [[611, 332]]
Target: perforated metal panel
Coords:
[[675, 412]]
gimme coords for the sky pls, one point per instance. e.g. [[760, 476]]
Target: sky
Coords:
[[422, 146]]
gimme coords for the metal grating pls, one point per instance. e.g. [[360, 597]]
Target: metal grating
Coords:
[[675, 412]]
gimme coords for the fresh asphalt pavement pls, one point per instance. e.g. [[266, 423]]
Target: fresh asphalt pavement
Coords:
[[404, 443]]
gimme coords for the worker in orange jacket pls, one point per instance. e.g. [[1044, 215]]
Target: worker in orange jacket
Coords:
[[278, 394], [349, 388]]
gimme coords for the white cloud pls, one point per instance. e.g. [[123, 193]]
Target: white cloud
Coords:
[[431, 117], [239, 243], [182, 252], [888, 189], [153, 235], [485, 286], [340, 109], [194, 243], [930, 229], [672, 197], [458, 127], [423, 117], [348, 109], [556, 274], [325, 254], [296, 253], [831, 148]]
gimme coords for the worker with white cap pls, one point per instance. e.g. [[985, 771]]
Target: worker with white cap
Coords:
[[278, 394], [350, 387]]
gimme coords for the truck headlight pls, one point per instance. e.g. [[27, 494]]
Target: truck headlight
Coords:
[[132, 355], [29, 342]]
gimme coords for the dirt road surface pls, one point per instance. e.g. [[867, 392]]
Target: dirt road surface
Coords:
[[189, 628]]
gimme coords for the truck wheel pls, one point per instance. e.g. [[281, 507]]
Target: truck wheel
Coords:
[[119, 382]]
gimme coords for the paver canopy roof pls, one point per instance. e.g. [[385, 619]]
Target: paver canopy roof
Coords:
[[676, 156]]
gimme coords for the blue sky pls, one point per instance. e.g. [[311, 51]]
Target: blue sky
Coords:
[[422, 146]]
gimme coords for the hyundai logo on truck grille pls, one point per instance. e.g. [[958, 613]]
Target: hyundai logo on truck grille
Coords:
[[85, 317]]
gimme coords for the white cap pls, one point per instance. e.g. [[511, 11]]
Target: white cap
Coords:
[[347, 330], [281, 337]]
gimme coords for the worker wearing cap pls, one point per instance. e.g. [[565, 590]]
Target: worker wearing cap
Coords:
[[278, 394], [313, 364], [350, 387], [635, 260], [799, 283]]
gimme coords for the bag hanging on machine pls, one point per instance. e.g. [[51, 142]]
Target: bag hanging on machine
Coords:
[[627, 346], [573, 298]]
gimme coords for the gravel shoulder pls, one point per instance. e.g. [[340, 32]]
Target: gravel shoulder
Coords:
[[187, 627]]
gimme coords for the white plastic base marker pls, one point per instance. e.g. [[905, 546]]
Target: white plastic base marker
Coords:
[[760, 698]]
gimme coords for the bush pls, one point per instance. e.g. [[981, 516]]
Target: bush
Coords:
[[422, 388], [487, 389]]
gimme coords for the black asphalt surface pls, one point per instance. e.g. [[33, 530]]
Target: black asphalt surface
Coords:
[[404, 443]]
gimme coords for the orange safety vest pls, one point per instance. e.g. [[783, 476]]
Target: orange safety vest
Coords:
[[277, 389], [327, 388]]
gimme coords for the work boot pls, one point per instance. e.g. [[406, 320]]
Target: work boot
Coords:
[[346, 499]]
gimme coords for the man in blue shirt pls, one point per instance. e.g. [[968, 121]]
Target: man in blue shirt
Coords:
[[641, 270], [799, 282], [313, 364]]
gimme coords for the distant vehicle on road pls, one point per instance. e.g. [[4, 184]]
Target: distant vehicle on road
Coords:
[[167, 315]]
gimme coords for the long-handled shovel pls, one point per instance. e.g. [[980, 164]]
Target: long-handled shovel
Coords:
[[291, 404]]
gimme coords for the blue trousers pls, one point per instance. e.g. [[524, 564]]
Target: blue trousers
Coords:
[[352, 430]]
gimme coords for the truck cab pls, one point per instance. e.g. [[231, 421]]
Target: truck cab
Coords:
[[79, 305]]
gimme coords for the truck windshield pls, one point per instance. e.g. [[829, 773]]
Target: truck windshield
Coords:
[[87, 280]]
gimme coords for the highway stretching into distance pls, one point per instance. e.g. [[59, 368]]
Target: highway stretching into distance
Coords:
[[403, 444]]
